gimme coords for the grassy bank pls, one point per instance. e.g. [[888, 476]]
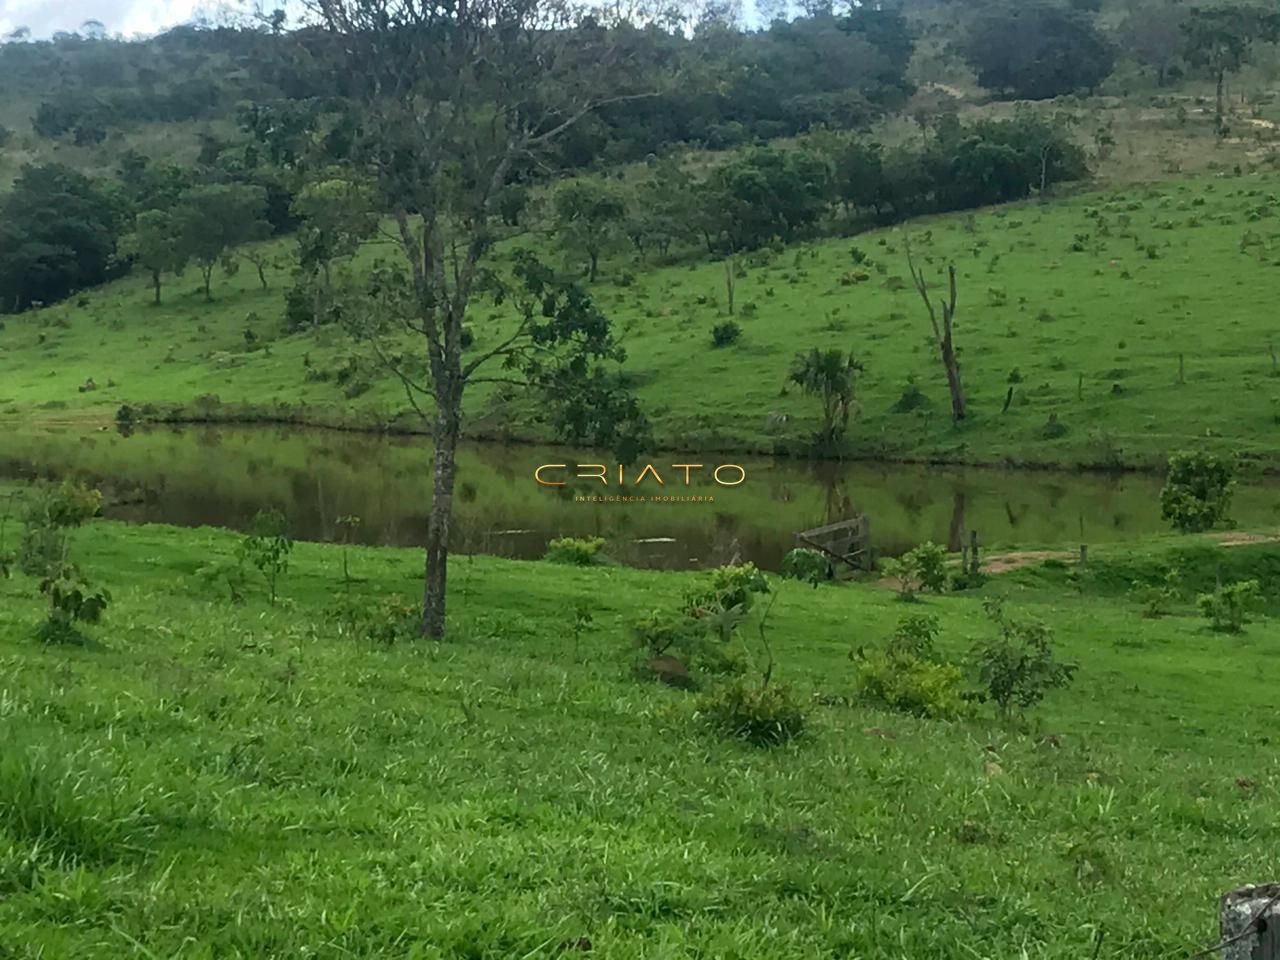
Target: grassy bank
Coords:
[[1126, 323], [210, 779]]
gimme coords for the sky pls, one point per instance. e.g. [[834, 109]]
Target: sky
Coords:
[[131, 17], [127, 17]]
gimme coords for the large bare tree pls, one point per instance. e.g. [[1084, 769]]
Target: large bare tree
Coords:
[[943, 332], [455, 99]]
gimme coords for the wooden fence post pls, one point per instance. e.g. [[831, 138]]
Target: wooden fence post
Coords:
[[1084, 554], [1250, 919], [973, 551]]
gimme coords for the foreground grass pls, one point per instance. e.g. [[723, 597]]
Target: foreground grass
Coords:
[[1126, 323], [216, 780]]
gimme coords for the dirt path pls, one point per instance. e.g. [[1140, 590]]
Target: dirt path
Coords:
[[995, 564]]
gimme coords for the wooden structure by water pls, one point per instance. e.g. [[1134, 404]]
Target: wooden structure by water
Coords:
[[846, 543]]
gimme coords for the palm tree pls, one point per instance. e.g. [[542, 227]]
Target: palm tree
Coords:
[[829, 374]]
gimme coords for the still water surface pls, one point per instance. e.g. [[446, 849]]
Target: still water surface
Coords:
[[221, 476]]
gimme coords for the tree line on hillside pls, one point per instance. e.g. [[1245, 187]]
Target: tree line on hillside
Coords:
[[735, 85], [62, 231], [828, 183]]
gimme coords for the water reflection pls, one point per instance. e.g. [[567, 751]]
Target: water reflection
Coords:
[[222, 476]]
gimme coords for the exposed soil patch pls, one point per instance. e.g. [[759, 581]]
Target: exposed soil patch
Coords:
[[1017, 559], [1004, 562]]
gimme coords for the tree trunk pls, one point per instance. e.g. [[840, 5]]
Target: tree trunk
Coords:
[[955, 532], [1220, 116], [208, 275], [958, 403], [262, 275], [155, 283], [445, 436], [595, 266]]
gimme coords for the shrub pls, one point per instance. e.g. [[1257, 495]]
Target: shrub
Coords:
[[921, 568], [1197, 490], [1227, 606], [897, 568], [909, 675], [915, 636], [384, 623], [661, 631], [761, 715], [267, 547], [1017, 666], [1053, 428], [913, 398], [48, 524], [725, 334], [576, 551], [1157, 598], [72, 600], [966, 580], [45, 553], [810, 566], [678, 637], [913, 685], [225, 577], [730, 586], [930, 562]]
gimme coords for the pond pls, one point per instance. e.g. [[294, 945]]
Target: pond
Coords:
[[221, 476]]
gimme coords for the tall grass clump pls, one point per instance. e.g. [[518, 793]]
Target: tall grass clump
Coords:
[[70, 805]]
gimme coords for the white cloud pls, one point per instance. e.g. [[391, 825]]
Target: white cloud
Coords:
[[127, 17]]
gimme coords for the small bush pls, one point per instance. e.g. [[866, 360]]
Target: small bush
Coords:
[[930, 561], [225, 577], [661, 632], [1053, 428], [913, 398], [915, 636], [384, 623], [1018, 666], [731, 586], [762, 715], [726, 334], [921, 568], [1157, 598], [913, 685], [1227, 606], [1197, 491], [575, 551], [807, 565], [267, 547], [71, 601], [897, 568]]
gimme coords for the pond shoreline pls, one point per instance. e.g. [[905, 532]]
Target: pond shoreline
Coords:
[[221, 473], [242, 416]]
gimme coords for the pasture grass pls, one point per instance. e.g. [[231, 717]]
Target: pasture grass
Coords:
[[207, 779]]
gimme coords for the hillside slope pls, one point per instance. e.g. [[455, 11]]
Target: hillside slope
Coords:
[[1127, 324], [213, 779]]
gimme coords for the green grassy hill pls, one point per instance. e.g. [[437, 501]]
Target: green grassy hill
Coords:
[[211, 780], [1127, 323]]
